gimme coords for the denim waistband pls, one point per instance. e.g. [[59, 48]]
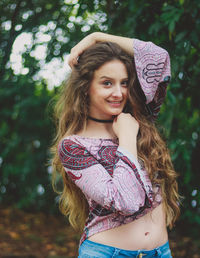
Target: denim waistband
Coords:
[[156, 252]]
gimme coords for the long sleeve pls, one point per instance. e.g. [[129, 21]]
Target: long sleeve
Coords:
[[113, 181], [153, 71]]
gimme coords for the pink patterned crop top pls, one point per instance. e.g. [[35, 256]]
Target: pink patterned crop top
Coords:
[[116, 187]]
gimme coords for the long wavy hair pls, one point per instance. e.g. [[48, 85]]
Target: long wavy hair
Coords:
[[71, 111]]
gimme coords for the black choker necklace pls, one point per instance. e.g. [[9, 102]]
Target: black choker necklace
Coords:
[[100, 120]]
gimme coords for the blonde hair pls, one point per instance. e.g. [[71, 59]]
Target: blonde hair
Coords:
[[71, 112]]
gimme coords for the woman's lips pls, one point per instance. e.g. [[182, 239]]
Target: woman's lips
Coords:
[[115, 103]]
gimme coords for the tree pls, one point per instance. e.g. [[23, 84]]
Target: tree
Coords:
[[26, 130]]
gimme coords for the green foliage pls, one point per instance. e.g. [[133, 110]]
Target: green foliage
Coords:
[[25, 128], [25, 137]]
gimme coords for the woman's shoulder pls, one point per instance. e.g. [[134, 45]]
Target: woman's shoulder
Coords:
[[70, 140], [85, 141], [82, 145], [70, 144], [90, 138]]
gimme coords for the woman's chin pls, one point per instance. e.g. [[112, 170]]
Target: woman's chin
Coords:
[[116, 113]]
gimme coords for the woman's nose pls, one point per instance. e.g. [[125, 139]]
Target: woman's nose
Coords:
[[117, 92]]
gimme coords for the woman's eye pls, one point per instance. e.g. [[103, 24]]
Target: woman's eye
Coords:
[[125, 83], [107, 83]]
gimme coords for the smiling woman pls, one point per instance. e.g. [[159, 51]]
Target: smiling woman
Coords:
[[108, 90], [119, 183]]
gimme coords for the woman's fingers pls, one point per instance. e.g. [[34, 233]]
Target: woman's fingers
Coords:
[[73, 58], [72, 61], [76, 52], [78, 49], [125, 125]]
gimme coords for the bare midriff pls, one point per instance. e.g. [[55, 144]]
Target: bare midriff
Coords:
[[147, 232]]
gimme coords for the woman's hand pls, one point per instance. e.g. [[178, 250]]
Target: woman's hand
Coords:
[[126, 128], [125, 125], [78, 49]]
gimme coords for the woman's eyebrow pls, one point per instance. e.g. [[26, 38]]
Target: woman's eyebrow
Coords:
[[107, 77]]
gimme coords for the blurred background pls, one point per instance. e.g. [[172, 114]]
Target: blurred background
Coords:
[[35, 39]]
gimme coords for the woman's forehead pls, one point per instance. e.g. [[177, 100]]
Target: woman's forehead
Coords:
[[114, 68]]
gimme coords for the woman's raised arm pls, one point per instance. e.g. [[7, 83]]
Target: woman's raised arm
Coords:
[[125, 43]]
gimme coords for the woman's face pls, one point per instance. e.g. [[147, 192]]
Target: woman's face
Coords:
[[108, 90]]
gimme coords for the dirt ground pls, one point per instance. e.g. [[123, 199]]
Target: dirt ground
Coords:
[[27, 235]]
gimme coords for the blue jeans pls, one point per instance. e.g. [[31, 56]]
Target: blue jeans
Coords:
[[90, 249]]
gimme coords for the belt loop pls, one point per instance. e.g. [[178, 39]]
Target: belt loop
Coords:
[[159, 252], [116, 252]]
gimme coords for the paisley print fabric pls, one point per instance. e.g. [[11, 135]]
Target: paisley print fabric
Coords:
[[75, 157], [118, 190], [108, 157], [153, 71]]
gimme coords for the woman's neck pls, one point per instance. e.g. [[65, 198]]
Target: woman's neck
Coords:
[[96, 129], [103, 121]]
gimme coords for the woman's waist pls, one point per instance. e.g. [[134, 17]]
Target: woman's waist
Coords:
[[147, 232]]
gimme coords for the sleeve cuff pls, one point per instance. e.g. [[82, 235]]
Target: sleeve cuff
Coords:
[[152, 66]]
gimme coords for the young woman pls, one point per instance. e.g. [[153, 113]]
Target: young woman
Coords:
[[120, 187]]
